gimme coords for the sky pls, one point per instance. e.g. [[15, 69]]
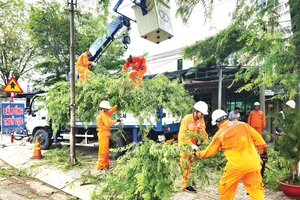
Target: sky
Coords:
[[184, 34]]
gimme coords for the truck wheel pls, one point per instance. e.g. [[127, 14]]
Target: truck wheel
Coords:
[[44, 138], [116, 141]]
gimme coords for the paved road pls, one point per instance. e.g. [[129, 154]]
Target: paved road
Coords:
[[211, 193], [18, 155], [23, 188]]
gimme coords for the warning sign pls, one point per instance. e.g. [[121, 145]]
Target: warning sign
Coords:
[[12, 86], [12, 118]]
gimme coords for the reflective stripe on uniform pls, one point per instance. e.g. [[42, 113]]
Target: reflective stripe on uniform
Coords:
[[230, 127]]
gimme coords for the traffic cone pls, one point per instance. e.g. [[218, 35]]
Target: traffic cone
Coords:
[[37, 154]]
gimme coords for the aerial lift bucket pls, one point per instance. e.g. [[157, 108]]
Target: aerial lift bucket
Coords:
[[156, 25]]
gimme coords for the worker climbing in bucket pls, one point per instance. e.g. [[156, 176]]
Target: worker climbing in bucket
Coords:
[[257, 119], [82, 64], [191, 123], [138, 64], [238, 141], [104, 123]]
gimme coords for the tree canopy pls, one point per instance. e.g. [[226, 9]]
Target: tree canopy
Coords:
[[257, 40], [16, 50], [49, 27]]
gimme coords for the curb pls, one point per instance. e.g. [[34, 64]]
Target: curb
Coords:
[[18, 155]]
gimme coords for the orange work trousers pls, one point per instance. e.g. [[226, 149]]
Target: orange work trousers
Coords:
[[258, 129], [103, 153], [186, 169], [137, 74], [252, 182], [83, 73]]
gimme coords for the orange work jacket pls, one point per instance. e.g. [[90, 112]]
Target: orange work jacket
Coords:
[[136, 64], [188, 124], [83, 60], [238, 141], [104, 123], [257, 119]]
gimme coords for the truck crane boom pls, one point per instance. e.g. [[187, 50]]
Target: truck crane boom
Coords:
[[103, 41]]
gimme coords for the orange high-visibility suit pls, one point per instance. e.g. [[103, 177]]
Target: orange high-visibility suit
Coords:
[[82, 66], [104, 123], [257, 120], [139, 66], [188, 124], [238, 141]]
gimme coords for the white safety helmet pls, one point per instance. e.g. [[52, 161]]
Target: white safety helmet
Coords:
[[92, 51], [217, 115], [291, 103], [256, 104], [202, 107], [105, 104]]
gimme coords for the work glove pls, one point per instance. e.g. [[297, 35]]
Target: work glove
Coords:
[[118, 120], [264, 157], [195, 147], [93, 63]]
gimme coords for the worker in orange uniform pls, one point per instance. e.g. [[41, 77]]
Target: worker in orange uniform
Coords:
[[238, 141], [139, 66], [104, 123], [82, 64], [257, 119], [191, 123]]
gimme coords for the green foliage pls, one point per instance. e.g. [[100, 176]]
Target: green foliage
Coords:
[[53, 71], [185, 8], [216, 50], [274, 169], [149, 172], [270, 46], [111, 59], [258, 41], [289, 145], [9, 171], [49, 28], [16, 50], [141, 101], [57, 157]]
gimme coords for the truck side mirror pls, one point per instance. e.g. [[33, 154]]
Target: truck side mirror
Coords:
[[28, 111]]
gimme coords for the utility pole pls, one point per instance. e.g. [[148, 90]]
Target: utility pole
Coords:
[[220, 72], [72, 158]]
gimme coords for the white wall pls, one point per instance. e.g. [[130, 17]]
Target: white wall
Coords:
[[166, 63]]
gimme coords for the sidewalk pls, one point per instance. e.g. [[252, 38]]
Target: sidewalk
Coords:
[[18, 155]]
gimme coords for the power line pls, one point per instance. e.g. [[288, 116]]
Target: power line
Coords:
[[171, 59], [217, 4], [162, 65], [125, 6]]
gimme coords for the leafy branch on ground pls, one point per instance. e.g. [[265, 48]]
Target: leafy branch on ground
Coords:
[[57, 158], [9, 171]]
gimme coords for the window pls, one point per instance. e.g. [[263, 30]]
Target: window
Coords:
[[179, 64]]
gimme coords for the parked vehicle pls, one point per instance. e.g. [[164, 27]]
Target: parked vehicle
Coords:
[[39, 126]]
